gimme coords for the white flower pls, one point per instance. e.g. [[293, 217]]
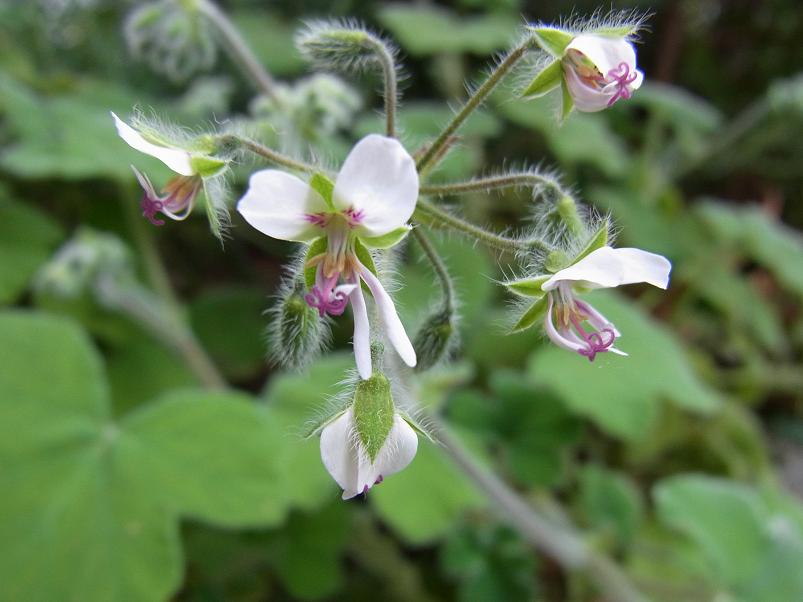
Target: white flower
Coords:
[[599, 70], [373, 196], [568, 319], [346, 459], [178, 195]]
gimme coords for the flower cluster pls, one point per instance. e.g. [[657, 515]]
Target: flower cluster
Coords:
[[349, 221]]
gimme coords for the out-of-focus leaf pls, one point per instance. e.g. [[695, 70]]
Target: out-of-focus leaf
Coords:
[[27, 237], [271, 39], [90, 504], [423, 502], [621, 394], [306, 551], [582, 138], [230, 324], [611, 503], [767, 241], [490, 563], [68, 135], [752, 544], [424, 30]]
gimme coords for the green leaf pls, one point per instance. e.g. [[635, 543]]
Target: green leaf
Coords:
[[423, 502], [622, 394], [552, 40], [27, 237], [611, 503], [101, 499], [535, 313], [386, 241], [546, 81], [752, 543], [424, 30], [529, 287], [373, 413]]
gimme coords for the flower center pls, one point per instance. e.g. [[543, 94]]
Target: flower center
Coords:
[[578, 326], [623, 78]]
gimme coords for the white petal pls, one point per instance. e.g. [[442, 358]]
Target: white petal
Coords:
[[362, 339], [390, 319], [608, 267], [378, 179], [277, 204], [586, 98], [176, 159], [605, 52], [397, 452], [339, 453]]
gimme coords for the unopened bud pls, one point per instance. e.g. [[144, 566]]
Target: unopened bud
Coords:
[[434, 339], [296, 333]]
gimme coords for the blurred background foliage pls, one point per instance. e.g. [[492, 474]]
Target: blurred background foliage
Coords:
[[123, 480]]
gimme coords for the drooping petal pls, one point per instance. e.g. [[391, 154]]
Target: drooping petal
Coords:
[[379, 183], [281, 205], [362, 338], [606, 52], [608, 267], [339, 453], [397, 452], [564, 340], [176, 159], [391, 323]]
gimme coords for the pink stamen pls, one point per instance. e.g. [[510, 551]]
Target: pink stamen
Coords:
[[150, 207], [595, 340], [316, 219], [326, 299], [354, 217], [623, 78]]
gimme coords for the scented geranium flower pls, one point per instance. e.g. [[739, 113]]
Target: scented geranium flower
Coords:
[[178, 195], [367, 206], [599, 70], [356, 465], [574, 324]]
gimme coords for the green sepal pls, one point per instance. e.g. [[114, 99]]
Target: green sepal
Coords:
[[207, 167], [529, 287], [556, 261], [621, 31], [567, 102], [567, 210], [373, 413], [552, 40], [316, 247], [546, 81], [536, 312], [315, 425], [323, 186], [598, 240], [364, 255], [420, 428], [386, 241]]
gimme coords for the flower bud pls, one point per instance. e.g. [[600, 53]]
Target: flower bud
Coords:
[[369, 440], [435, 337], [172, 37], [296, 333]]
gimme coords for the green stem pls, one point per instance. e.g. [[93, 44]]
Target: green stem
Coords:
[[428, 213], [473, 102], [388, 64], [438, 266], [238, 49], [526, 179], [559, 542], [267, 153]]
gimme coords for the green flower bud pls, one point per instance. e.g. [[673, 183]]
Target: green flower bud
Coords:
[[435, 338], [296, 333]]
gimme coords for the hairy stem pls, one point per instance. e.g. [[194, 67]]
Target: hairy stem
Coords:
[[238, 49], [561, 543], [438, 266], [388, 64], [427, 159], [525, 179], [431, 215], [266, 153]]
